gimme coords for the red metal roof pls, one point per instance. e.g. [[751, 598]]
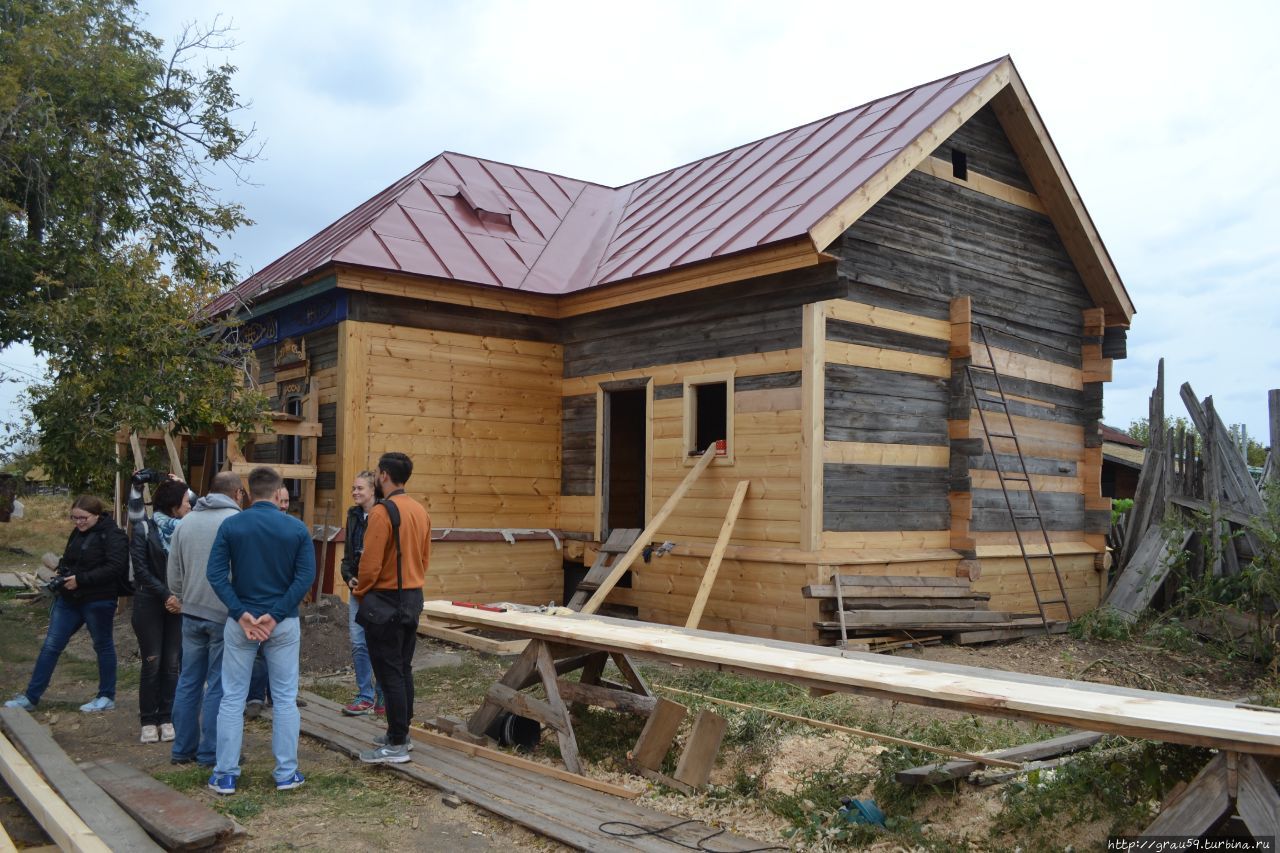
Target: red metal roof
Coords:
[[476, 221]]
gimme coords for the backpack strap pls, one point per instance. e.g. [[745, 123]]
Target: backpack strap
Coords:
[[393, 512]]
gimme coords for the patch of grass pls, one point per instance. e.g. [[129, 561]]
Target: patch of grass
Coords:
[[1117, 784], [333, 690], [43, 527], [462, 687], [1172, 635], [1101, 624], [341, 793], [969, 734]]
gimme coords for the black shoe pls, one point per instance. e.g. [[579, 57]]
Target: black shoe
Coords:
[[190, 759]]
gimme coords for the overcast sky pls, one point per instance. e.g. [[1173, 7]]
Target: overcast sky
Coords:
[[1163, 112]]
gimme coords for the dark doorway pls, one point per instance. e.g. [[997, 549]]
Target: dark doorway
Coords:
[[625, 416]]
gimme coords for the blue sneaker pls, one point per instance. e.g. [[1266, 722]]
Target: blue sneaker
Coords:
[[294, 781], [20, 701], [222, 783], [102, 703]]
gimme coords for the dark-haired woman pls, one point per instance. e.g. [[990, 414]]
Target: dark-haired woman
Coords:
[[157, 612], [94, 571]]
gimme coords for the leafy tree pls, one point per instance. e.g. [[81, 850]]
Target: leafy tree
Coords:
[[108, 223]]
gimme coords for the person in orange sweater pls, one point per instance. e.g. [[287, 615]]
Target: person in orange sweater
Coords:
[[389, 583]]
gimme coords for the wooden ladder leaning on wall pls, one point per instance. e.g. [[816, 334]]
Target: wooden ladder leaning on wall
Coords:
[[1020, 474]]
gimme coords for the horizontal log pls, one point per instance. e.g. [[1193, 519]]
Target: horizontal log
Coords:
[[604, 697]]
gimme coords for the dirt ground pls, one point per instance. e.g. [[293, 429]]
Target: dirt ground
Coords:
[[343, 806], [347, 806]]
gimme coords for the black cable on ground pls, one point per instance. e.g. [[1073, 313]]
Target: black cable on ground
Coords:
[[660, 832]]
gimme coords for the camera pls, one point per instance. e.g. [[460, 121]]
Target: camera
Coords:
[[55, 583], [146, 475]]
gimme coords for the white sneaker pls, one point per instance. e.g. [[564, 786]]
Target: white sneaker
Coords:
[[20, 701], [166, 732], [150, 734]]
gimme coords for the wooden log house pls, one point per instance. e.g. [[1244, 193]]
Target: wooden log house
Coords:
[[553, 353]]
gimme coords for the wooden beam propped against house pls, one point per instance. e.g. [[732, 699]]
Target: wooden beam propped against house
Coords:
[[618, 569]]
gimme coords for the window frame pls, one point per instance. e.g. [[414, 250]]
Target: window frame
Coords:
[[690, 415]]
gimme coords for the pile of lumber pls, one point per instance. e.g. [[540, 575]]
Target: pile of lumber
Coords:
[[1202, 470], [882, 613], [101, 805]]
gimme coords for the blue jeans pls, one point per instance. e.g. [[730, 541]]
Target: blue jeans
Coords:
[[365, 690], [258, 680], [238, 652], [64, 620], [195, 708]]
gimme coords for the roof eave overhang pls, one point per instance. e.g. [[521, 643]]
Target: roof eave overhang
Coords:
[[1003, 89]]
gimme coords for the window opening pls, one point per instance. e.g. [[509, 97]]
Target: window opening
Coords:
[[710, 414]]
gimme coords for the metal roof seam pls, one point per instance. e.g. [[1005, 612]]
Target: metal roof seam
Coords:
[[752, 155], [387, 249], [425, 242], [797, 143], [935, 96], [669, 207]]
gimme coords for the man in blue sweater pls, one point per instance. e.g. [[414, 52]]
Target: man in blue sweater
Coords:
[[261, 566]]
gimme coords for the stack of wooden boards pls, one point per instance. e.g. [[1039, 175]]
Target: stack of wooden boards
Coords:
[[99, 805], [883, 612]]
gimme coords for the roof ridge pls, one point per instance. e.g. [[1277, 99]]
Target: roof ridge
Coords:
[[825, 118]]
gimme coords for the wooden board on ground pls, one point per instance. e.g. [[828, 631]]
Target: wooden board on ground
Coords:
[[50, 811], [1159, 716], [175, 820], [98, 811], [932, 774], [424, 736], [565, 812]]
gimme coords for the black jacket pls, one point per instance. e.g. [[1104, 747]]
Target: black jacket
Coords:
[[150, 560], [99, 559], [357, 520]]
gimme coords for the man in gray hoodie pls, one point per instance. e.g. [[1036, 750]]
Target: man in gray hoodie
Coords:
[[195, 708]]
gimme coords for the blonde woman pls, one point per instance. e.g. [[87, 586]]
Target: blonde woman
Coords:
[[368, 697]]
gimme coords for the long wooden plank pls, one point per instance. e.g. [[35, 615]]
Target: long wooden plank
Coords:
[[98, 811], [62, 824], [566, 812], [176, 820], [618, 569], [713, 564], [935, 773], [424, 736], [1160, 716]]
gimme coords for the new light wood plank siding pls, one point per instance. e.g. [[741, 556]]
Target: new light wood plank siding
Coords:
[[480, 414]]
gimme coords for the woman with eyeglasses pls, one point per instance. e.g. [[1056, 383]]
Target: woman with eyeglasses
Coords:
[[157, 612], [93, 572], [368, 698]]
